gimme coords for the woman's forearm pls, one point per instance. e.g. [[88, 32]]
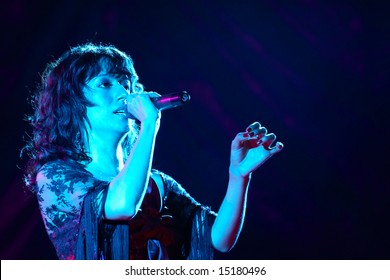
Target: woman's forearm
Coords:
[[127, 189], [229, 221]]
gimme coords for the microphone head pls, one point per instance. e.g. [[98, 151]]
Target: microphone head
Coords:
[[185, 97], [171, 100]]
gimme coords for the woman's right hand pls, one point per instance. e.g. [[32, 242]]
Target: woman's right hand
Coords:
[[140, 107]]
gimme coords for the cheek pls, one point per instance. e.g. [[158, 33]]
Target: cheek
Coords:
[[95, 114], [99, 97]]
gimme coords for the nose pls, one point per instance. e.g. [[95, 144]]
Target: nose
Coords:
[[122, 97], [122, 93]]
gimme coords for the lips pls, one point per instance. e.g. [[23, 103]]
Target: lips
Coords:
[[120, 111]]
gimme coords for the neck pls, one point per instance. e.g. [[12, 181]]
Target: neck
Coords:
[[105, 163]]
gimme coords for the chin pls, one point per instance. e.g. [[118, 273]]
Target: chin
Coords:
[[124, 129]]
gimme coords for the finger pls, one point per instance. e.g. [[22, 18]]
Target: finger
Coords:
[[278, 147], [253, 126], [267, 140], [138, 101], [240, 138], [257, 132], [151, 94], [142, 97], [243, 139], [130, 98]]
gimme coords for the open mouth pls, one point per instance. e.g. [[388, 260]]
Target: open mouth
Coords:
[[120, 111]]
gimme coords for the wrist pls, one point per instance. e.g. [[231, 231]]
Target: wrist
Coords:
[[238, 185], [236, 175], [150, 124]]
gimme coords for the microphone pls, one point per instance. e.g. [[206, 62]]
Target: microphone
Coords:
[[171, 100], [164, 102]]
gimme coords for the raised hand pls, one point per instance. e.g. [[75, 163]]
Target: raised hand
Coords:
[[252, 148]]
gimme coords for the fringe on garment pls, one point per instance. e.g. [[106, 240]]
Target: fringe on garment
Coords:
[[99, 239]]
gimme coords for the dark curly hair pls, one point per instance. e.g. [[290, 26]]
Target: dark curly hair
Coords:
[[59, 119]]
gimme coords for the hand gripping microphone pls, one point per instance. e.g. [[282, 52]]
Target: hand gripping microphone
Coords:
[[164, 102]]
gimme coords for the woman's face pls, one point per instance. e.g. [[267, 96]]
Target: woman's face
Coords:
[[108, 93]]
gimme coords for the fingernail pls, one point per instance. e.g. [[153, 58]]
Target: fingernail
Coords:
[[245, 135], [251, 134], [249, 129]]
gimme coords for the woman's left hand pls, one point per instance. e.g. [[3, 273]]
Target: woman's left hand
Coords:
[[252, 148]]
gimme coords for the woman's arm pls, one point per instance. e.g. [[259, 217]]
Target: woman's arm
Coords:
[[127, 190], [249, 150]]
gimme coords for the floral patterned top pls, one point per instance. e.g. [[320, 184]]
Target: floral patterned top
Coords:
[[71, 201]]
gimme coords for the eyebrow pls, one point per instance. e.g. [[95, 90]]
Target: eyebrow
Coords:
[[114, 74]]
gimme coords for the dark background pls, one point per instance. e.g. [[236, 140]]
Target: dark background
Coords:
[[313, 72]]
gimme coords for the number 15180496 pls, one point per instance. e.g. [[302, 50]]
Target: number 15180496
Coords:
[[242, 270]]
